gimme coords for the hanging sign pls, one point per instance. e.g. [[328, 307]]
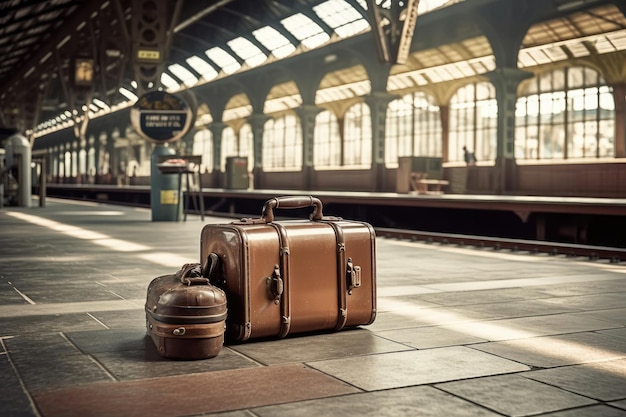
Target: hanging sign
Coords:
[[161, 117]]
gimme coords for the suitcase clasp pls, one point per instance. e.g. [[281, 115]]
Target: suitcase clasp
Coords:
[[275, 284], [353, 276], [179, 331]]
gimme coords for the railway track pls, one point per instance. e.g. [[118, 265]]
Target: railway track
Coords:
[[614, 255], [592, 252]]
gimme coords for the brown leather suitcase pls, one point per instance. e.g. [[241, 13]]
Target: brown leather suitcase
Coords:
[[186, 315], [293, 276]]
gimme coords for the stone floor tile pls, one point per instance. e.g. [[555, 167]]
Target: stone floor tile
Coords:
[[56, 309], [590, 411], [386, 303], [552, 351], [237, 413], [318, 347], [42, 372], [429, 337], [404, 290], [402, 314], [116, 340], [8, 295], [459, 298], [41, 345], [14, 402], [126, 319], [513, 395], [614, 315], [605, 381], [619, 404], [401, 369], [192, 394], [619, 332], [526, 327], [391, 321], [147, 363], [514, 309], [404, 402], [583, 288], [47, 324], [613, 299]]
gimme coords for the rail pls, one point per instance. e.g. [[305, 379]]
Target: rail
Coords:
[[614, 255]]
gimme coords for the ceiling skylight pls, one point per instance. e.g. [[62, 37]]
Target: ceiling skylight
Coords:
[[202, 67], [305, 30], [169, 82], [183, 74], [274, 41], [248, 51], [343, 18], [222, 59]]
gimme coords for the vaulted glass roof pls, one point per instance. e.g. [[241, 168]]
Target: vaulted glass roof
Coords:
[[327, 21], [590, 32]]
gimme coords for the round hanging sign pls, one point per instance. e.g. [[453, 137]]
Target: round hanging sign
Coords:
[[161, 117]]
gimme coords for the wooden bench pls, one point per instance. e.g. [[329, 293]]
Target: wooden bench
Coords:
[[422, 185]]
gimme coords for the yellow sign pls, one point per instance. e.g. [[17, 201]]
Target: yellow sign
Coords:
[[169, 197], [149, 54]]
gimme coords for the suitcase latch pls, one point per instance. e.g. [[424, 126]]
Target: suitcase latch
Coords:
[[353, 276], [275, 284]]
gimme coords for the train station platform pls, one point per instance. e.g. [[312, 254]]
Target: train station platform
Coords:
[[460, 331]]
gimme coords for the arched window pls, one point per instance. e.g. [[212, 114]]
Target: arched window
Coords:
[[327, 141], [282, 144], [246, 145], [357, 137], [67, 163], [203, 145], [91, 156], [237, 145], [566, 113], [413, 128], [104, 155], [91, 162], [229, 146], [473, 122], [82, 162]]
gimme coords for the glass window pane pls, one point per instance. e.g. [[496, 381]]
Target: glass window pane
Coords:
[[305, 30], [560, 124], [183, 74], [282, 144], [342, 17], [274, 41], [222, 59], [203, 145], [247, 51], [357, 146], [327, 142], [202, 67], [169, 82]]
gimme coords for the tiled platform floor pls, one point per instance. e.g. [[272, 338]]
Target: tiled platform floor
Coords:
[[460, 331]]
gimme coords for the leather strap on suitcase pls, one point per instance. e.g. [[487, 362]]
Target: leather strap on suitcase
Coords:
[[285, 304], [342, 315]]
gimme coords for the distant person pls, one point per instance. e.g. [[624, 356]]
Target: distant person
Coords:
[[469, 157]]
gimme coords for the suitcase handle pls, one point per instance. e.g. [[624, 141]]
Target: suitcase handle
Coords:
[[191, 274], [291, 202]]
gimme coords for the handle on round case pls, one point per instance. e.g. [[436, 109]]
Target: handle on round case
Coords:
[[289, 203]]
